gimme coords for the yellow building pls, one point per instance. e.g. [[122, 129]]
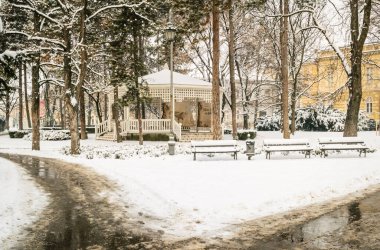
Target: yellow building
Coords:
[[325, 79]]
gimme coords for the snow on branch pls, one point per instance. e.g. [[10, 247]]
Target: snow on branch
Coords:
[[10, 54], [38, 12], [36, 38], [53, 81], [132, 6], [52, 64], [293, 13]]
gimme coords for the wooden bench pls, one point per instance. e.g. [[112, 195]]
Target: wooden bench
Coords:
[[214, 146], [343, 143], [286, 145]]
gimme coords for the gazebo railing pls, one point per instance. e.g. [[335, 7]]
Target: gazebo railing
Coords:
[[148, 126], [101, 128]]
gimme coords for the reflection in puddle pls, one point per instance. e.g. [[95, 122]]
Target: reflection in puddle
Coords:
[[335, 230]]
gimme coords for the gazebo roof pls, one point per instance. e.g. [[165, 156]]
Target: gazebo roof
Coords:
[[163, 78]]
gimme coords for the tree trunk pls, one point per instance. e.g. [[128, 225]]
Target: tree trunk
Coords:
[[35, 105], [284, 68], [36, 94], [293, 113], [355, 79], [61, 109], [7, 108], [26, 98], [116, 113], [136, 75], [71, 103], [20, 106], [47, 106], [82, 115], [245, 121], [89, 113], [98, 108], [105, 107], [231, 58], [216, 127], [82, 73]]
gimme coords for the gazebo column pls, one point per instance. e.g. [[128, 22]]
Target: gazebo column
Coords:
[[126, 113]]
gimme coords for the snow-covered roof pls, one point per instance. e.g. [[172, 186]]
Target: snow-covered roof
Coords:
[[163, 78]]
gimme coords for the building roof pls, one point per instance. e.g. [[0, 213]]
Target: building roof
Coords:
[[163, 78]]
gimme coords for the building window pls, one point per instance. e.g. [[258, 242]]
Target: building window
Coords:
[[369, 75], [369, 105]]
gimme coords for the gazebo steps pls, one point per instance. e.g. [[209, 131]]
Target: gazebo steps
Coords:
[[106, 137], [186, 137]]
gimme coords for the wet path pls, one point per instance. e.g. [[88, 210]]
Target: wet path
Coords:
[[79, 215]]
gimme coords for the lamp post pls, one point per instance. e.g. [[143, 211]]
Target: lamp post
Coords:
[[169, 36]]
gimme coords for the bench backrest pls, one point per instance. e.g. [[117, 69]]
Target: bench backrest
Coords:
[[285, 142], [341, 140], [214, 143]]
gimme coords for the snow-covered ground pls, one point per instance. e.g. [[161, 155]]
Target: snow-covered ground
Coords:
[[21, 202], [202, 198]]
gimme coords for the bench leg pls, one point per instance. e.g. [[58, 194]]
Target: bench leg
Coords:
[[195, 156]]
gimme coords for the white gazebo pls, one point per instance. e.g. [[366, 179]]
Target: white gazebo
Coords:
[[192, 107]]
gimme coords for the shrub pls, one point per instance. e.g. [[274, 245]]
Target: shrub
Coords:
[[243, 134], [318, 118], [148, 137], [51, 135], [18, 133]]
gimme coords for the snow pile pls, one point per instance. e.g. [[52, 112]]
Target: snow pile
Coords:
[[51, 135], [21, 202], [124, 151]]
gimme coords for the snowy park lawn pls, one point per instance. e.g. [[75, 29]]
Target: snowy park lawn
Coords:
[[201, 198]]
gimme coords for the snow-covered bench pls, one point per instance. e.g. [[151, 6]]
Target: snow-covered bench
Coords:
[[214, 146], [344, 143], [286, 145]]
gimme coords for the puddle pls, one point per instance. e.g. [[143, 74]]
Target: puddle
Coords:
[[77, 218], [355, 226]]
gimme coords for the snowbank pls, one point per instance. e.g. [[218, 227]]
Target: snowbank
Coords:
[[21, 202]]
